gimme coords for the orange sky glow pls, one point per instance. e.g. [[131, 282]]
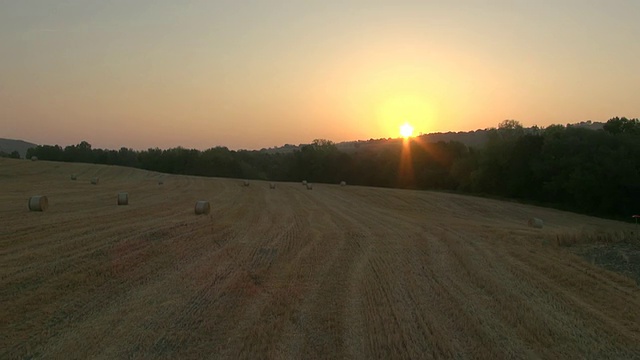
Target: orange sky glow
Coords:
[[249, 75]]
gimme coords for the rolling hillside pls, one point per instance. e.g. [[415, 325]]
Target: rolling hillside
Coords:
[[333, 272], [10, 145]]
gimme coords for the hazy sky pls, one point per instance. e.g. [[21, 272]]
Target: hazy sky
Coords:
[[253, 74]]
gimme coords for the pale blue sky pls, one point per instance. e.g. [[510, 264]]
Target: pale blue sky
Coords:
[[263, 73]]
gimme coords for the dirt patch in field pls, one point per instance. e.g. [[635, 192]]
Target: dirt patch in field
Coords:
[[622, 257]]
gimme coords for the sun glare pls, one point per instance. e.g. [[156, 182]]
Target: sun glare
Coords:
[[406, 130]]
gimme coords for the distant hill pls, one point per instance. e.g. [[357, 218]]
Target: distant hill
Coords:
[[476, 138], [588, 125], [9, 145]]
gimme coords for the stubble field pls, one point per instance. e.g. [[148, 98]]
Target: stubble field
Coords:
[[333, 272]]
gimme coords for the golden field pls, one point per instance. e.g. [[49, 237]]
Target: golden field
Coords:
[[334, 272]]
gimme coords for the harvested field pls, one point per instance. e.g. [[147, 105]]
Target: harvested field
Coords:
[[335, 272]]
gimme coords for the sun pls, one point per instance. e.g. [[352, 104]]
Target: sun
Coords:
[[406, 130]]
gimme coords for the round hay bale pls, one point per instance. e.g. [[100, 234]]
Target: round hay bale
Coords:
[[74, 177], [123, 198], [309, 187], [343, 183], [304, 182], [246, 183], [272, 186], [34, 158], [38, 203], [95, 180], [202, 208], [536, 223]]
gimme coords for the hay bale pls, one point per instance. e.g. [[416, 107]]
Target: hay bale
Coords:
[[272, 186], [202, 208], [95, 180], [74, 177], [38, 203], [309, 187], [123, 198], [246, 183], [34, 158], [536, 223], [304, 182], [343, 183]]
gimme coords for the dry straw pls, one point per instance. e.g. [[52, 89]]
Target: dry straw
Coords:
[[202, 207], [536, 223], [593, 236], [123, 198], [95, 181], [38, 203]]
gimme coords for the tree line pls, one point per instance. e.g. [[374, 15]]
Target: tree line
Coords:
[[12, 155], [596, 172]]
